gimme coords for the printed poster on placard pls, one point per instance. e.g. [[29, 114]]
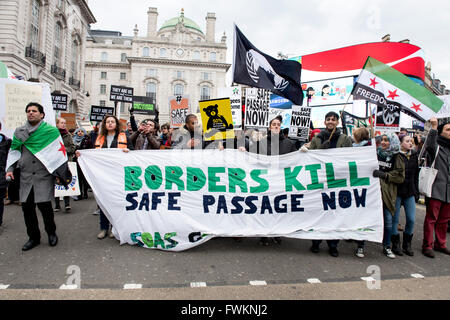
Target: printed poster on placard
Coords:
[[388, 118], [301, 117], [257, 108], [217, 122], [235, 95], [179, 109], [74, 187]]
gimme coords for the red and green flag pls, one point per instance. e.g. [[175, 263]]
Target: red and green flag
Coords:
[[384, 86]]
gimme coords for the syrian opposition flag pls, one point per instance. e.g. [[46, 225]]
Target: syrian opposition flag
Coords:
[[46, 144], [256, 69], [384, 86]]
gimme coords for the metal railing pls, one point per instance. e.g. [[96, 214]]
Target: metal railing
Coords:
[[74, 82], [35, 56], [58, 72]]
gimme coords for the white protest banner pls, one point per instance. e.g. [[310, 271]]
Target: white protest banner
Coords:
[[235, 95], [257, 108], [14, 97], [301, 117], [179, 199], [74, 187], [445, 110]]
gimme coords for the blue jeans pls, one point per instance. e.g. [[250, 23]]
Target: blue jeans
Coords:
[[104, 222], [410, 211], [387, 227]]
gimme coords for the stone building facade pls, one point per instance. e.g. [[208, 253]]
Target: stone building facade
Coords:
[[176, 59], [44, 41]]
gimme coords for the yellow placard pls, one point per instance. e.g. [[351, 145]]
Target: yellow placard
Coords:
[[217, 121]]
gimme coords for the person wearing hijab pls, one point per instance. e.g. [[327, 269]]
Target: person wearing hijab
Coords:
[[78, 136], [391, 173]]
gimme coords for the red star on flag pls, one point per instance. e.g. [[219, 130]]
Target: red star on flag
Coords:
[[416, 107], [63, 149], [373, 82], [393, 94]]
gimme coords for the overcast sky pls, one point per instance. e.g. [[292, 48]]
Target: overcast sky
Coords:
[[300, 27]]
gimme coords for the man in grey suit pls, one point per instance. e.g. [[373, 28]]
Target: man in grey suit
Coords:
[[37, 185]]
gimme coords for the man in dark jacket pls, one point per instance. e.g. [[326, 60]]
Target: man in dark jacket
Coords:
[[330, 137], [5, 144], [145, 138], [190, 135], [438, 206]]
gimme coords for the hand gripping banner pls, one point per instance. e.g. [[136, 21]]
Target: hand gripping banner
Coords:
[[178, 199]]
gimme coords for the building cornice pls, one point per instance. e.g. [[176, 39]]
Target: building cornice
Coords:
[[87, 13], [189, 63], [194, 44], [107, 64]]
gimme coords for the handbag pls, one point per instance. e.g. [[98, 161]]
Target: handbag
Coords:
[[427, 177]]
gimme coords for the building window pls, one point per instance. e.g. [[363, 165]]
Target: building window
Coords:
[[123, 76], [162, 52], [212, 56], [75, 57], [206, 76], [102, 103], [178, 89], [146, 52], [103, 89], [58, 45], [123, 57], [151, 72], [205, 93], [151, 91], [104, 56], [196, 55], [35, 23], [179, 74], [103, 75]]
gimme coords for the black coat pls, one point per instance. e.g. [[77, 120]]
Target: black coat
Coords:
[[410, 187], [5, 145], [284, 145]]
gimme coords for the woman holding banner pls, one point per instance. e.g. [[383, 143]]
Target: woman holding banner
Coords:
[[391, 174], [110, 136]]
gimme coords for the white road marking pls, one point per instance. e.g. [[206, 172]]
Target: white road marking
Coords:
[[314, 280], [258, 283], [4, 286], [132, 286], [68, 287], [198, 284], [417, 275], [367, 279]]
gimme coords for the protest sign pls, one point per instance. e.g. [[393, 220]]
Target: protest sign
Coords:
[[15, 95], [179, 200], [59, 101], [121, 94], [74, 187], [257, 108], [388, 118], [98, 112], [217, 122], [301, 117], [143, 105], [179, 109], [235, 95]]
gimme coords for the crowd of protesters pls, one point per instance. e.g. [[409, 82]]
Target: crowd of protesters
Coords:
[[398, 172]]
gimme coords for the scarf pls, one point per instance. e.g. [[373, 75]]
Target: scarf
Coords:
[[394, 147], [76, 138], [63, 132], [443, 142]]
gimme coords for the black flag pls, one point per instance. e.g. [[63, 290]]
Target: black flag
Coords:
[[256, 69]]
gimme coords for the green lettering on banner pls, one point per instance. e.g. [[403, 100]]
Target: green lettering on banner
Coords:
[[159, 241], [236, 177], [331, 181], [312, 168], [290, 179], [147, 239], [354, 180], [168, 238], [213, 179], [263, 183], [132, 181], [173, 175], [195, 179], [153, 177]]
